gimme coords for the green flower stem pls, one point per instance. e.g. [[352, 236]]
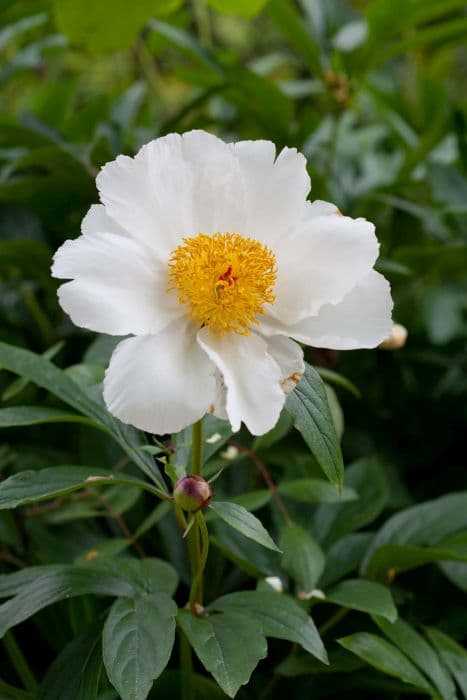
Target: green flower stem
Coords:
[[186, 668], [19, 662], [202, 549], [197, 448]]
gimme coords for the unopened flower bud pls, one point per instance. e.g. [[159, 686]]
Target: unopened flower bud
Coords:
[[397, 338], [192, 493]]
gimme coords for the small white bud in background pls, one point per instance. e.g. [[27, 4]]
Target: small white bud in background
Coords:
[[275, 583], [213, 438], [230, 453], [397, 338], [315, 593]]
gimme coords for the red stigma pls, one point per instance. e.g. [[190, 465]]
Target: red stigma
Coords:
[[227, 276]]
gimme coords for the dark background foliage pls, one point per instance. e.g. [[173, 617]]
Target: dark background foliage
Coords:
[[373, 92]]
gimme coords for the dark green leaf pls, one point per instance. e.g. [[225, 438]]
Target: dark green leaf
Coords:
[[229, 645], [421, 653], [344, 556], [280, 617], [366, 596], [452, 654], [137, 642], [36, 590], [302, 557], [16, 416], [75, 673], [386, 658], [34, 486], [423, 525], [43, 373], [316, 491], [240, 519], [332, 521], [309, 408]]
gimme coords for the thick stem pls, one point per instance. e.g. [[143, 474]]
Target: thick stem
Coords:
[[197, 448], [202, 549], [19, 662]]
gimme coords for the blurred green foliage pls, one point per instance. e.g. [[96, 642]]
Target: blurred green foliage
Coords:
[[373, 92]]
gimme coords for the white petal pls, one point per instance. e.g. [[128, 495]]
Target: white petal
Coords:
[[276, 190], [289, 357], [118, 285], [321, 208], [252, 378], [361, 320], [175, 187], [218, 198], [321, 264], [98, 221], [145, 194], [160, 383]]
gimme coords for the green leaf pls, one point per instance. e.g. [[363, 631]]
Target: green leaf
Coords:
[[34, 486], [42, 372], [37, 587], [137, 642], [279, 615], [393, 558], [452, 654], [16, 416], [245, 8], [302, 558], [423, 525], [385, 657], [330, 522], [344, 556], [366, 596], [75, 672], [309, 408], [287, 18], [316, 491], [19, 384], [88, 22], [420, 652], [240, 519], [229, 645]]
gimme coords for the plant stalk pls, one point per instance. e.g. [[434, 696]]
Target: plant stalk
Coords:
[[20, 664]]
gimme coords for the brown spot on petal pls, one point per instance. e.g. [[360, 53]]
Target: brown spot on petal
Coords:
[[212, 408], [291, 382]]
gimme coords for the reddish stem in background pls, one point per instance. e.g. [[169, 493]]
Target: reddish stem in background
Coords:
[[267, 478]]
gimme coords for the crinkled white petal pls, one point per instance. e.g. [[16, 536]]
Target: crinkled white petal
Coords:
[[289, 357], [276, 190], [321, 208], [321, 264], [361, 320], [97, 220], [160, 383], [118, 286], [176, 186], [252, 378]]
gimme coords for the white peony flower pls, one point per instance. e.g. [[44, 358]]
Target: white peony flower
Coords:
[[209, 255]]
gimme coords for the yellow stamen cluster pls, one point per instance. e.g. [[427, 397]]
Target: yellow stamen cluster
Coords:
[[224, 279]]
